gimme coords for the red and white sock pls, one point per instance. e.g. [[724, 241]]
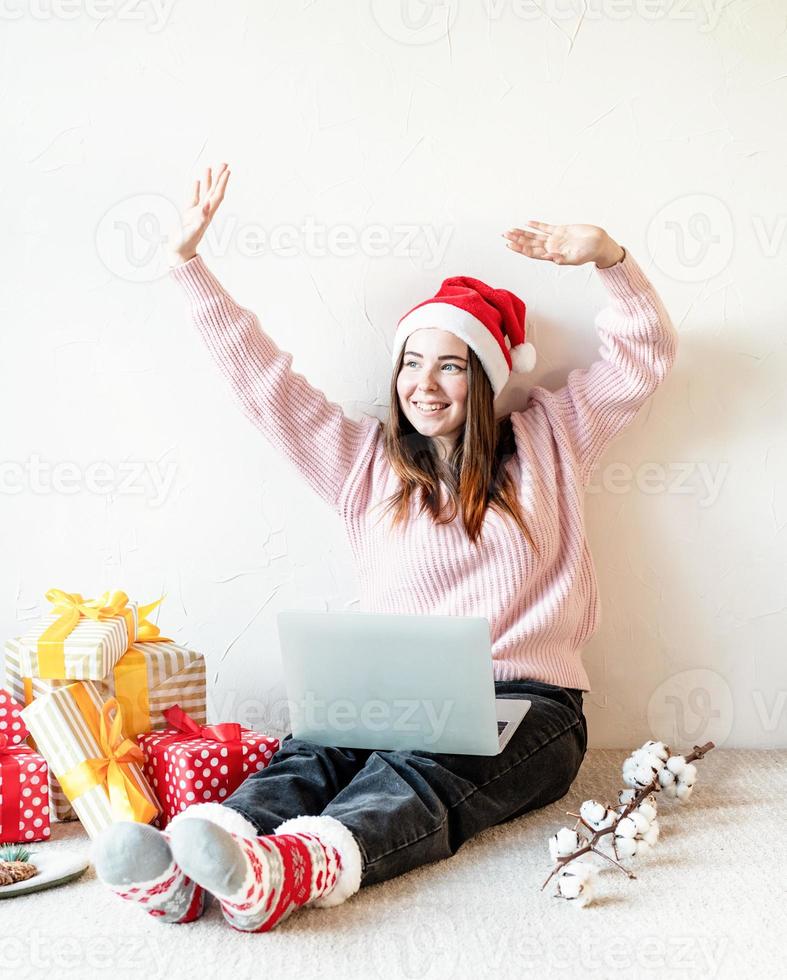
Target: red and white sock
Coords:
[[136, 863], [259, 881]]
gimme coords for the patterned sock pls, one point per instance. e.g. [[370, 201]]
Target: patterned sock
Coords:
[[136, 862], [258, 881]]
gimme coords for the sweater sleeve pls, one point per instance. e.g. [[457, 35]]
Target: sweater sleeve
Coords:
[[638, 349], [296, 418]]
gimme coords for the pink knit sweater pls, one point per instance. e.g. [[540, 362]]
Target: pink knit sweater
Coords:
[[541, 610]]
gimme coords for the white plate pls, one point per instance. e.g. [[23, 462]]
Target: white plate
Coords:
[[53, 869]]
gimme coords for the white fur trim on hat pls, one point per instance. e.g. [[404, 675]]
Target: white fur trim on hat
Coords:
[[331, 831], [222, 816]]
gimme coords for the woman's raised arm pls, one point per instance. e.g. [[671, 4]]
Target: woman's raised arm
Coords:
[[639, 342], [295, 417]]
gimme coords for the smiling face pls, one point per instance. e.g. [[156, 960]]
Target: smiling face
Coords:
[[434, 369]]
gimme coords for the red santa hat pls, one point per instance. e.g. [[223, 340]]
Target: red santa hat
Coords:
[[490, 321]]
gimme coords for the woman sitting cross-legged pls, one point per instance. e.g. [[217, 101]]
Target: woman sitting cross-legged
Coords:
[[321, 821]]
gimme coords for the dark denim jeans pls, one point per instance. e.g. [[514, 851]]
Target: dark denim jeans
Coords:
[[408, 808]]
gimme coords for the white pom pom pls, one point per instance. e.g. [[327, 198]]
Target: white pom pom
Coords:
[[676, 764], [625, 796], [626, 828], [564, 842], [683, 792], [626, 847], [523, 358]]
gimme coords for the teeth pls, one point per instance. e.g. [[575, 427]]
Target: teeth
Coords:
[[429, 408]]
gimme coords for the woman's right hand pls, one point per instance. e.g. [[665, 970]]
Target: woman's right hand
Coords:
[[206, 197]]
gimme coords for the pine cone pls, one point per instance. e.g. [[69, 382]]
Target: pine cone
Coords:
[[12, 871]]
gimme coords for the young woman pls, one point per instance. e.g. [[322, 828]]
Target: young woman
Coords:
[[499, 532]]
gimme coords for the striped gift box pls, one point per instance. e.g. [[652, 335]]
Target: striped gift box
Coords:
[[90, 650], [149, 678], [65, 724]]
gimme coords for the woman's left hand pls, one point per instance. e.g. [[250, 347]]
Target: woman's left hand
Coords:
[[565, 244]]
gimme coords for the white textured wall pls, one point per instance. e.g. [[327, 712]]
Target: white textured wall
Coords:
[[661, 122]]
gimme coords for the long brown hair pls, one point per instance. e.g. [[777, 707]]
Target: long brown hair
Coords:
[[475, 473]]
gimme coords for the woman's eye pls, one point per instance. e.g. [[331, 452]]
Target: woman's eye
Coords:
[[408, 363]]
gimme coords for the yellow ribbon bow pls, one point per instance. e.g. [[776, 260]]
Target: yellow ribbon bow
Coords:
[[111, 769], [71, 607]]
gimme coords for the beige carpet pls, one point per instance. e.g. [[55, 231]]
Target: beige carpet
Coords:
[[709, 901]]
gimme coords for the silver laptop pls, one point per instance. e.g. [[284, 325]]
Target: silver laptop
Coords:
[[377, 681]]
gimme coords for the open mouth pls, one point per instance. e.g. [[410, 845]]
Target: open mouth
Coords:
[[430, 410]]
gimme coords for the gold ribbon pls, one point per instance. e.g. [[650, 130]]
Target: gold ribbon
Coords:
[[112, 768], [71, 607]]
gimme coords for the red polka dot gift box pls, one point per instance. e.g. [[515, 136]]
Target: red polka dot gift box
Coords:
[[191, 763], [24, 780]]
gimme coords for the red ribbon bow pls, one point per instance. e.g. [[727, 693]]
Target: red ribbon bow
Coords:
[[12, 799], [229, 731]]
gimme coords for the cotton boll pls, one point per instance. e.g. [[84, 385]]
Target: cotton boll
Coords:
[[667, 778], [642, 846], [640, 821], [625, 796], [676, 764], [647, 760], [626, 828], [670, 790], [657, 748], [683, 792], [652, 833], [592, 811], [564, 842], [642, 776], [576, 881], [626, 847], [647, 809], [689, 774]]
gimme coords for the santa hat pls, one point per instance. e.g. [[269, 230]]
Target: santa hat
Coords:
[[490, 321]]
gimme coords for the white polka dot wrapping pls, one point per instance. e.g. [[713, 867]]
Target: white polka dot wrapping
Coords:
[[11, 724], [24, 797]]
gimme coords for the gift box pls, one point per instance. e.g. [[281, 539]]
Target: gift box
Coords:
[[194, 763], [98, 767], [24, 803], [80, 639], [148, 678]]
